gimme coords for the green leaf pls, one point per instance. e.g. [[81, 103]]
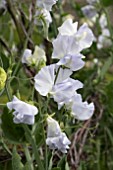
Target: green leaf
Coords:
[[57, 168], [107, 2], [16, 160], [4, 61], [67, 166], [39, 135], [105, 67], [110, 135], [13, 132], [27, 167], [109, 97], [62, 163]]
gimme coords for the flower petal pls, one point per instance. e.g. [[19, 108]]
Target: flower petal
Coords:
[[68, 28], [74, 62], [44, 80], [81, 110]]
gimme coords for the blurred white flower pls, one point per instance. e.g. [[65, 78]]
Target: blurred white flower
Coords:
[[90, 12], [104, 40], [3, 4], [46, 4], [46, 15], [92, 2], [23, 112], [103, 21], [36, 59], [55, 138]]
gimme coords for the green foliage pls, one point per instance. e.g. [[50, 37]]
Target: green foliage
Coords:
[[109, 98], [16, 160], [12, 132], [107, 2]]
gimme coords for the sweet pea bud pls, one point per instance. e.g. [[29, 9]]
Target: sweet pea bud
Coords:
[[3, 77]]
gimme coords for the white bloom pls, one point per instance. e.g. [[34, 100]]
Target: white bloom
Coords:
[[26, 55], [2, 4], [80, 110], [44, 80], [66, 48], [36, 58], [68, 27], [46, 4], [83, 37], [61, 89], [64, 91], [64, 45], [74, 62], [89, 11], [55, 138], [70, 42], [24, 113], [46, 15], [103, 21], [104, 40], [92, 2]]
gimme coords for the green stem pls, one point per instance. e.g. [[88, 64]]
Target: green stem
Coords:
[[2, 104], [30, 138], [46, 152], [7, 88], [28, 157]]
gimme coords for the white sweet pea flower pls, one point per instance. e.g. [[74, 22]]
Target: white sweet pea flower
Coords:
[[80, 110], [46, 4], [37, 58], [70, 42], [64, 91], [68, 27], [44, 80], [83, 37], [61, 89], [26, 58], [104, 40], [66, 49], [23, 112], [55, 138], [46, 15], [3, 4], [74, 62], [64, 45], [103, 21], [92, 2], [89, 11]]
